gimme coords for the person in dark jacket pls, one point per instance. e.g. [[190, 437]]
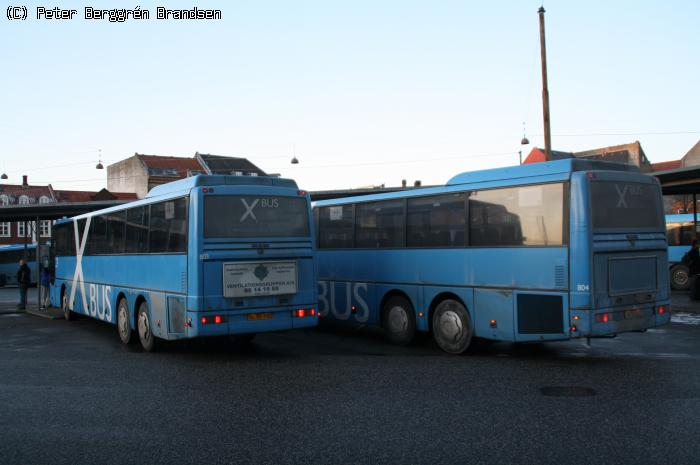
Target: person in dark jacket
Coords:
[[692, 258], [24, 278], [45, 288]]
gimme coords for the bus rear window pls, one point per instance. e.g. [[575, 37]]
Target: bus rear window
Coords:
[[625, 205], [238, 216]]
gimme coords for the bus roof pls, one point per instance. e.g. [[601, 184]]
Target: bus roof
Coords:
[[187, 184], [29, 245], [512, 175], [183, 187], [538, 169]]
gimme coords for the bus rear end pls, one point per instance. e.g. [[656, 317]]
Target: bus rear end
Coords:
[[253, 270], [619, 260]]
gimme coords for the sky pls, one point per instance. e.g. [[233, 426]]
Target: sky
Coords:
[[361, 92]]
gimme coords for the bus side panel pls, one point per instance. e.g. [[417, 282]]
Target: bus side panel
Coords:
[[354, 302], [494, 314], [541, 316]]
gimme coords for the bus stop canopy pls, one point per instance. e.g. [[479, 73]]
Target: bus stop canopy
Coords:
[[680, 181], [53, 211]]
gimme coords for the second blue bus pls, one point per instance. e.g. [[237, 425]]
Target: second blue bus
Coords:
[[541, 252]]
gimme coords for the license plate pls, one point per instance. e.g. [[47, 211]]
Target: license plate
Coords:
[[256, 279], [634, 313], [260, 316]]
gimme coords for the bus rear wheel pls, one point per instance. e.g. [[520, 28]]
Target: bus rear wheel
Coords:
[[64, 306], [144, 327], [452, 327], [399, 320], [680, 278], [123, 324]]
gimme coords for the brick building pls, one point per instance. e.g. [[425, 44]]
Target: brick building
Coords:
[[630, 154], [26, 194], [141, 173]]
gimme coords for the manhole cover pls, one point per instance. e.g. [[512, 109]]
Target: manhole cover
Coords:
[[567, 391]]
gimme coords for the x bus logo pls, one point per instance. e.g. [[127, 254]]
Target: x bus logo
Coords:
[[78, 274], [621, 202], [249, 210]]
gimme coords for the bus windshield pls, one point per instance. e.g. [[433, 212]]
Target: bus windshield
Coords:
[[618, 204], [238, 216]]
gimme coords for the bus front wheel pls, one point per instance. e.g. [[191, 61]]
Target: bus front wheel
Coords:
[[144, 326], [399, 320], [123, 324], [680, 278], [452, 327]]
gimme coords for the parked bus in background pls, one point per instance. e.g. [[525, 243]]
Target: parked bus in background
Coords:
[[679, 231], [541, 252], [202, 256], [9, 263]]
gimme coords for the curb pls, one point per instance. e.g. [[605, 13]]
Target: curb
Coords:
[[49, 313]]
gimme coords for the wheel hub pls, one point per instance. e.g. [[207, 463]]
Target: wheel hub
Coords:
[[398, 320], [144, 329], [451, 326]]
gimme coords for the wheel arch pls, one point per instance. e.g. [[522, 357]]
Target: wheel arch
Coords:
[[388, 296], [441, 297]]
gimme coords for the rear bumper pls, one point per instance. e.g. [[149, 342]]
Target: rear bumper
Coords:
[[619, 320], [237, 322]]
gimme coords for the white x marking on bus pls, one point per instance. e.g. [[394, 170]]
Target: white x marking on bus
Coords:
[[249, 210], [621, 202], [78, 274]]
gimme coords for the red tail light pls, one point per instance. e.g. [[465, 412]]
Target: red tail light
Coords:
[[661, 309], [303, 312], [573, 328], [212, 320], [602, 318]]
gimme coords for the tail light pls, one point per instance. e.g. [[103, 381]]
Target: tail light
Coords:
[[603, 318], [212, 320], [661, 309], [304, 312]]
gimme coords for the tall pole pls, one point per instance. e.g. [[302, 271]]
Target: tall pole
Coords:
[[545, 91]]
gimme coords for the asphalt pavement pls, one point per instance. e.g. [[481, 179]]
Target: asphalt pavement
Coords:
[[71, 393]]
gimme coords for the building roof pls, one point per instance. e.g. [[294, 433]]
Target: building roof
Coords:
[[665, 165], [632, 154], [157, 165], [219, 164], [91, 196], [15, 191], [537, 155]]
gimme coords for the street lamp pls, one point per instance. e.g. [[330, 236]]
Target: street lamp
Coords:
[[99, 161]]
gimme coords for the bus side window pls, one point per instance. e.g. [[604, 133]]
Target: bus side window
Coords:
[[137, 230]]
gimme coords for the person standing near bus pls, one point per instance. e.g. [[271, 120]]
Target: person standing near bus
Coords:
[[23, 281], [45, 283]]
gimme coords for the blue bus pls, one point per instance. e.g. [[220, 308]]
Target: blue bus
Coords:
[[202, 256], [9, 262], [680, 234], [548, 251]]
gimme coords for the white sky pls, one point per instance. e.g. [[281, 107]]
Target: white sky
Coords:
[[363, 92]]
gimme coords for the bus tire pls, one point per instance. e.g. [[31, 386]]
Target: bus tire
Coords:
[[64, 306], [144, 328], [680, 277], [123, 322], [399, 320], [452, 327]]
